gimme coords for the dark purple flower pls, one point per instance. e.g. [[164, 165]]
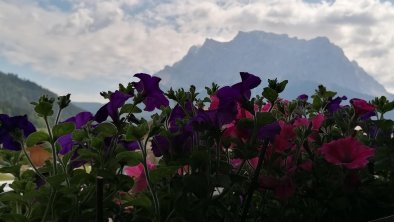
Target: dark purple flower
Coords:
[[269, 131], [227, 109], [303, 97], [210, 119], [12, 128], [116, 100], [148, 87], [373, 132], [179, 113], [79, 120], [160, 145], [130, 146], [66, 143], [249, 81], [334, 104]]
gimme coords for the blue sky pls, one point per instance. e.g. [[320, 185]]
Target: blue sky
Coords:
[[87, 46]]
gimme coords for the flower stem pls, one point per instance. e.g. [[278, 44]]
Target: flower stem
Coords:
[[253, 184], [54, 156], [58, 116], [147, 174]]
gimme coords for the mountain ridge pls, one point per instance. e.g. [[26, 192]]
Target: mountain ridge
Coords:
[[271, 55]]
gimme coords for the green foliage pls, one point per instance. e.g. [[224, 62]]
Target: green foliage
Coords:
[[16, 95]]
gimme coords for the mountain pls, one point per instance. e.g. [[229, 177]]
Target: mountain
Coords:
[[305, 63], [16, 95], [92, 107]]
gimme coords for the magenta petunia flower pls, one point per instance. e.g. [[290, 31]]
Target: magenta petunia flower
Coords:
[[347, 152], [148, 87], [362, 108]]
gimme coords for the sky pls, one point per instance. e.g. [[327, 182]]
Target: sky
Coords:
[[83, 47]]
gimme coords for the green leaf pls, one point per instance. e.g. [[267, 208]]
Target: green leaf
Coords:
[[37, 137], [56, 180], [264, 118], [199, 159], [157, 174], [62, 129], [68, 155], [130, 158], [11, 196], [270, 94], [136, 132], [281, 86], [130, 108], [125, 182], [22, 185], [14, 170], [317, 103], [140, 201], [78, 135], [106, 129], [13, 217], [87, 154]]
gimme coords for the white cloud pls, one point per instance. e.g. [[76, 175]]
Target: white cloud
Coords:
[[109, 40]]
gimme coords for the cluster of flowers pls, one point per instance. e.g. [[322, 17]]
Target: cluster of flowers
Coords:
[[233, 158]]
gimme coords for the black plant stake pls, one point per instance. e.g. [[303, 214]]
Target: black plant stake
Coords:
[[99, 196]]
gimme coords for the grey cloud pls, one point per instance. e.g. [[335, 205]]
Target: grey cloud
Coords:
[[125, 36]]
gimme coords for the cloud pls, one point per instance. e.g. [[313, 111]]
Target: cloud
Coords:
[[110, 40]]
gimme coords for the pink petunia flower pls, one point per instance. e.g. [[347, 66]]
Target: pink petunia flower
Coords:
[[284, 140], [138, 174], [214, 102], [347, 152], [317, 121]]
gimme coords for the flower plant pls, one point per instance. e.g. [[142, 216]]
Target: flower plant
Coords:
[[226, 157]]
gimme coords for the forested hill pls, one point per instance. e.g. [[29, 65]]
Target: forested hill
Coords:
[[16, 95]]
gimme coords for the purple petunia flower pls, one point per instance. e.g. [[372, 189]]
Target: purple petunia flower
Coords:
[[269, 131], [148, 87], [303, 97], [249, 81], [79, 120], [179, 113], [334, 104], [116, 100], [160, 145], [11, 127], [227, 109], [130, 146]]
